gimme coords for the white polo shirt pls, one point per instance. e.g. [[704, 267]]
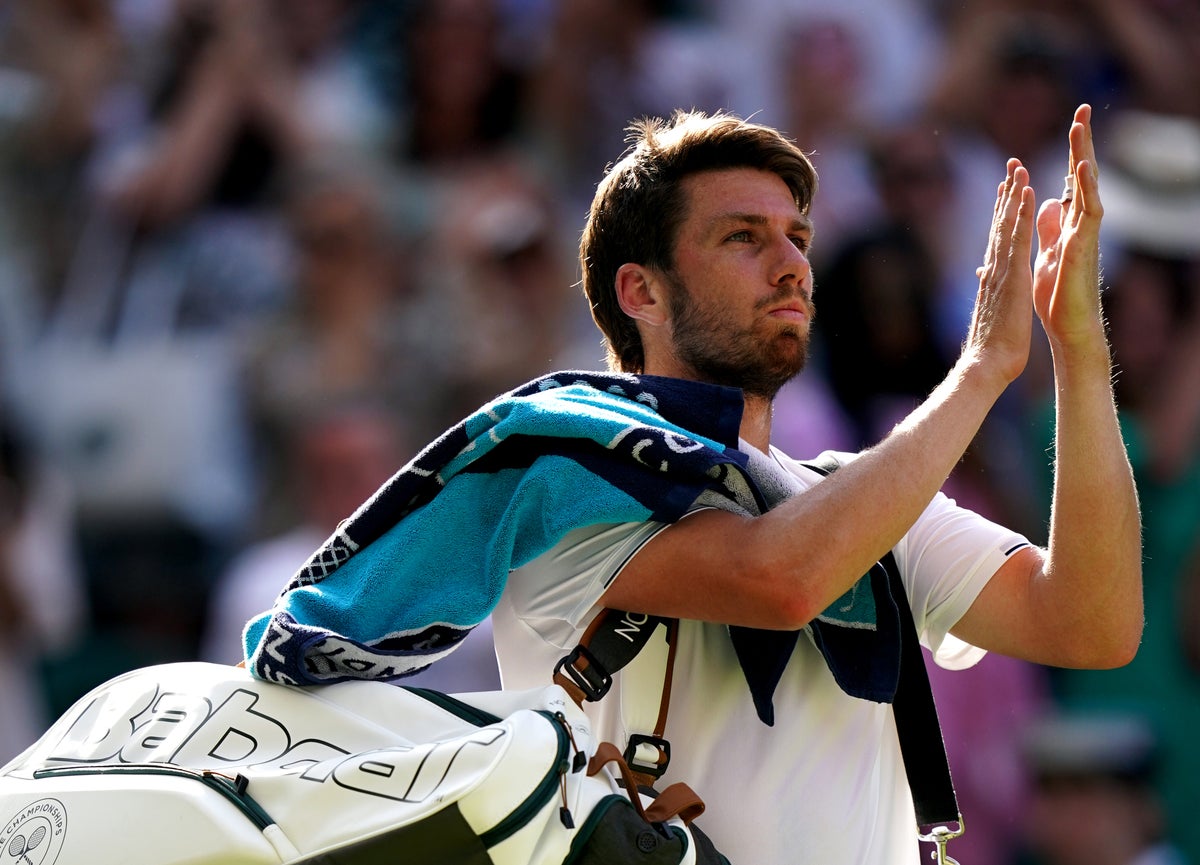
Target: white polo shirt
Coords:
[[826, 783]]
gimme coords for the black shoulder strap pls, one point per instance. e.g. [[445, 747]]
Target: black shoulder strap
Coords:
[[610, 643], [917, 724]]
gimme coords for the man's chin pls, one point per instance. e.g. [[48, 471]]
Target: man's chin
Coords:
[[789, 356], [766, 382]]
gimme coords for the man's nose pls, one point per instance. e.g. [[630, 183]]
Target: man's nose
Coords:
[[791, 265]]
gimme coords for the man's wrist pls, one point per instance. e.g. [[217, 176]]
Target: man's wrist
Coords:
[[1083, 351], [979, 373]]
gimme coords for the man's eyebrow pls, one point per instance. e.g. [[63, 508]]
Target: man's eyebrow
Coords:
[[799, 223]]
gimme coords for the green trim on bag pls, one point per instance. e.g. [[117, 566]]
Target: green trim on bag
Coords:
[[465, 711], [543, 793], [546, 788], [233, 789]]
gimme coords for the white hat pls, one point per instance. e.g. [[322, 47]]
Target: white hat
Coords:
[[1150, 182]]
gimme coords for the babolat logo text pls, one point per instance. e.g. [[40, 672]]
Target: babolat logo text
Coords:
[[161, 726], [34, 835], [236, 729]]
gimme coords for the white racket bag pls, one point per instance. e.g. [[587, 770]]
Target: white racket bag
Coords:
[[201, 763]]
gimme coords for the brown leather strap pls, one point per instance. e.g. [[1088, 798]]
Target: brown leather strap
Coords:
[[573, 690], [610, 642], [677, 800], [607, 753], [664, 705]]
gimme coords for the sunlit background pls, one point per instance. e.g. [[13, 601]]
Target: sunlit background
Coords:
[[255, 253]]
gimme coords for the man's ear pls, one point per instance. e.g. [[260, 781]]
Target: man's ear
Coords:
[[640, 294]]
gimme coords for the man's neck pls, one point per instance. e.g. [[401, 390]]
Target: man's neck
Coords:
[[756, 422]]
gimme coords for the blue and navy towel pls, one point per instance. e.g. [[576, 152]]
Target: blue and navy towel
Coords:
[[402, 581]]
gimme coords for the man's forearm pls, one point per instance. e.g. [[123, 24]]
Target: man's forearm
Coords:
[[1093, 564], [863, 510]]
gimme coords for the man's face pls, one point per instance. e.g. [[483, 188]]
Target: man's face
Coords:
[[741, 288]]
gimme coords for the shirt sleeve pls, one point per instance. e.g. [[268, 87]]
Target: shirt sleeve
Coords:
[[558, 593], [946, 558]]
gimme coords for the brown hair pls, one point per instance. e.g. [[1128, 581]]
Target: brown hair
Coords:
[[639, 204]]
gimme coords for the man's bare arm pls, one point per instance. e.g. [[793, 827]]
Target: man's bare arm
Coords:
[[1079, 603], [781, 569]]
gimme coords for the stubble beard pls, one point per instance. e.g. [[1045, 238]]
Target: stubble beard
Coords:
[[745, 358]]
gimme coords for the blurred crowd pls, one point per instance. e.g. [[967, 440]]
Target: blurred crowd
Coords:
[[255, 253]]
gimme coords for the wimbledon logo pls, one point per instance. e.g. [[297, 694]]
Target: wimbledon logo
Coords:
[[34, 835]]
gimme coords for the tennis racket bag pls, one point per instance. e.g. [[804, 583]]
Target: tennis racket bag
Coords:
[[201, 763]]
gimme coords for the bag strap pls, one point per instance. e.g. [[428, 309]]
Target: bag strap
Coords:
[[611, 642], [917, 725]]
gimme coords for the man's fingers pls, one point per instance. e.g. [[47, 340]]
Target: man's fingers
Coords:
[[1082, 193], [990, 253], [1022, 234], [1006, 217], [1088, 183], [1017, 187], [1085, 148]]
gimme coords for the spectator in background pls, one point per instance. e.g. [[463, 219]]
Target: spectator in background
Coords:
[[495, 304], [245, 93], [463, 97], [253, 86], [336, 454], [343, 331], [877, 328], [42, 604], [604, 62], [1148, 56], [1000, 63], [822, 58], [899, 44], [913, 173], [60, 64], [1094, 801]]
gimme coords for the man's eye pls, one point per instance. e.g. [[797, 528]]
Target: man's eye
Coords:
[[740, 236], [801, 243]]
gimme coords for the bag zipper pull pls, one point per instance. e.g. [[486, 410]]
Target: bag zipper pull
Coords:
[[579, 761], [564, 813]]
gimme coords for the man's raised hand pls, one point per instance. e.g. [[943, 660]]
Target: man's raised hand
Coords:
[[1066, 287], [1002, 320]]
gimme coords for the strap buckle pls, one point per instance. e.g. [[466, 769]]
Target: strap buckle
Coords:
[[940, 836], [592, 679], [658, 765]]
